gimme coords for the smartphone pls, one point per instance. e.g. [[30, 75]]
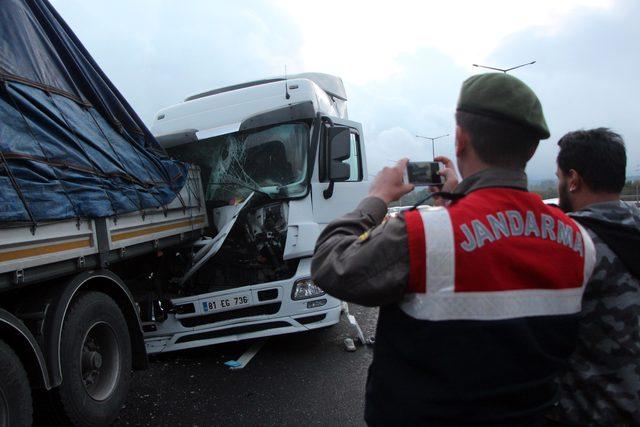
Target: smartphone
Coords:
[[423, 173]]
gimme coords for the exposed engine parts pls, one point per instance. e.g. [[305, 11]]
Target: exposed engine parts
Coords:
[[251, 253], [247, 249]]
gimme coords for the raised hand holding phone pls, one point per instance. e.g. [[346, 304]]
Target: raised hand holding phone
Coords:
[[449, 173], [389, 184], [450, 179]]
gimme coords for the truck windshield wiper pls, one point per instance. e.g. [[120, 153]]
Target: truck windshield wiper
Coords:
[[240, 184]]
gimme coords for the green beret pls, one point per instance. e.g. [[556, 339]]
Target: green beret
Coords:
[[503, 97]]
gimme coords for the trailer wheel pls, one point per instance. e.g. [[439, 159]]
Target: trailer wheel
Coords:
[[16, 408], [95, 357]]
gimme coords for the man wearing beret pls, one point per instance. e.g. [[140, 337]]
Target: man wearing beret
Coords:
[[479, 299]]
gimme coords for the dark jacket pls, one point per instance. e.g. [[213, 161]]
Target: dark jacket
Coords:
[[602, 386]]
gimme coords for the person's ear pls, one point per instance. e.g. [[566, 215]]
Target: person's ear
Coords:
[[532, 150], [462, 141], [574, 181]]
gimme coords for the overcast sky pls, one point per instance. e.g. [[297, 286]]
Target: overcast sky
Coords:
[[402, 61]]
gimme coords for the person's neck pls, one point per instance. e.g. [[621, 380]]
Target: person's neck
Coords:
[[590, 198], [480, 166], [472, 168]]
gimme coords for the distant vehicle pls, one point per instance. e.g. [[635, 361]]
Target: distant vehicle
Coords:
[[556, 201], [110, 250]]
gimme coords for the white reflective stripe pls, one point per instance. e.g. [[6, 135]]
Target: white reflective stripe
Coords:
[[589, 254], [441, 258], [441, 302], [440, 250], [493, 305]]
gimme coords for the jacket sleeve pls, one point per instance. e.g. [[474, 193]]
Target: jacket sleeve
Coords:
[[358, 259]]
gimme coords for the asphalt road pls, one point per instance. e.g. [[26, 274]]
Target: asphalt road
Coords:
[[295, 379]]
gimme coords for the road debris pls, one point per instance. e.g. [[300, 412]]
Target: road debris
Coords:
[[355, 326], [349, 345], [244, 360]]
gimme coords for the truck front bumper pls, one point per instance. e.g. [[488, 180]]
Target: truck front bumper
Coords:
[[264, 310]]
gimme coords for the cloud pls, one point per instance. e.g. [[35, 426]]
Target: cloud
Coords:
[[388, 144], [158, 52], [586, 77], [421, 100], [362, 40]]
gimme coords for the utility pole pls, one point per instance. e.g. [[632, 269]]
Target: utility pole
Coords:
[[433, 148], [637, 169], [504, 70]]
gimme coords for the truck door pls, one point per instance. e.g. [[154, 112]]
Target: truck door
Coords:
[[339, 180]]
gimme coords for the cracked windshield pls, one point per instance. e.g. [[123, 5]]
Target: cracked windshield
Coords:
[[271, 161]]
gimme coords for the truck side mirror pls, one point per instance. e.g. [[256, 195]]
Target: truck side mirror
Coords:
[[339, 151]]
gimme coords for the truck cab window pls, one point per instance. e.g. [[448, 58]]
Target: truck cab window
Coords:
[[354, 161], [271, 160]]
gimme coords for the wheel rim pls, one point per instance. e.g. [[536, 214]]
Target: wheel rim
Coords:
[[100, 361], [4, 410]]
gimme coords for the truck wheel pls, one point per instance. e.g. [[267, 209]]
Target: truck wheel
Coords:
[[95, 357], [15, 394]]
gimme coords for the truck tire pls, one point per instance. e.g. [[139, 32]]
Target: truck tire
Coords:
[[95, 357], [16, 408]]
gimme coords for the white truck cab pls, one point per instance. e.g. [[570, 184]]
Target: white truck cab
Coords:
[[279, 159]]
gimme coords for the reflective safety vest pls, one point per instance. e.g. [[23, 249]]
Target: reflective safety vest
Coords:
[[497, 253], [490, 316]]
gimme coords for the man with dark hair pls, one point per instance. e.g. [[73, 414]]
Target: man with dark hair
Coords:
[[479, 299], [602, 386], [596, 158]]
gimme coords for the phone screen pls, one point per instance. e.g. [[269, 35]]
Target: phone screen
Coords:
[[424, 173]]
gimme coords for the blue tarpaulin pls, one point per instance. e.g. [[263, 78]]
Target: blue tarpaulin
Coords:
[[70, 144]]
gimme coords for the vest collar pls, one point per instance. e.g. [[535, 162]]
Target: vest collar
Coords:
[[493, 177]]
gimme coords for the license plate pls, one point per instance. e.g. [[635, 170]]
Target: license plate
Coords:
[[224, 303]]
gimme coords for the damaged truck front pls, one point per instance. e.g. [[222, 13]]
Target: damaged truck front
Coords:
[[110, 249], [278, 160]]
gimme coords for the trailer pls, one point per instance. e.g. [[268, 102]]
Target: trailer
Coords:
[[66, 292], [32, 254], [86, 196]]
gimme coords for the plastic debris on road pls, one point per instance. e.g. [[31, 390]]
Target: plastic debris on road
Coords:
[[244, 360], [233, 364], [349, 345]]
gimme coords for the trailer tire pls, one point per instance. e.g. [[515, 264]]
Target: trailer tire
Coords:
[[16, 408], [95, 357]]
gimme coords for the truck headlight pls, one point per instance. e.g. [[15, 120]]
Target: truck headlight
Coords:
[[305, 288]]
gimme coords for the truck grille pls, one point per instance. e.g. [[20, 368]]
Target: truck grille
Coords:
[[257, 310], [230, 331]]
